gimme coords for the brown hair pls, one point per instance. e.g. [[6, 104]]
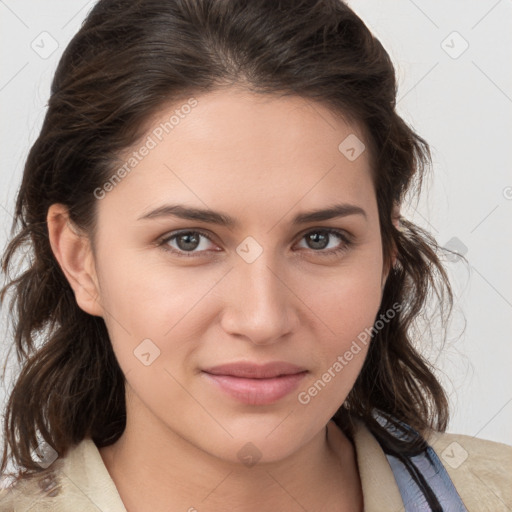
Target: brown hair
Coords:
[[127, 60]]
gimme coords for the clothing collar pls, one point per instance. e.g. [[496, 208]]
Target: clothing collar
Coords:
[[81, 477], [380, 490]]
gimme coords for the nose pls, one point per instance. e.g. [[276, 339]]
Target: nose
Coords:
[[259, 305]]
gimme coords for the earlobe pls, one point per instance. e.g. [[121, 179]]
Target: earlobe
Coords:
[[73, 252]]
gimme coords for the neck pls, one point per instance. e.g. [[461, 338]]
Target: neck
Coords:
[[161, 471]]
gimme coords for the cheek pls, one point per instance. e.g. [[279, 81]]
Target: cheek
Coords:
[[141, 299], [345, 307], [348, 308], [140, 285], [349, 315], [349, 299]]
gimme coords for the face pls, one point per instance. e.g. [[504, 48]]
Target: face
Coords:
[[278, 295]]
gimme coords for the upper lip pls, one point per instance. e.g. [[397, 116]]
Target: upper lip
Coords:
[[255, 371]]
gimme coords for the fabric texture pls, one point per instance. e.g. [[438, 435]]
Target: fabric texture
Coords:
[[481, 472]]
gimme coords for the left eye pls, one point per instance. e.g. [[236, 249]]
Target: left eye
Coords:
[[319, 239], [189, 244]]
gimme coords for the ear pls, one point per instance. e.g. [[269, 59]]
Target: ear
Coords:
[[395, 219], [74, 255]]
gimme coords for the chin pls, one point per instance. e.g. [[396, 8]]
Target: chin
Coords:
[[263, 439]]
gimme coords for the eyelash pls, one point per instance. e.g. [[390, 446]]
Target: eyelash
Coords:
[[347, 242]]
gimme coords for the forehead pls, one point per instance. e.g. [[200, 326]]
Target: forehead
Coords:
[[248, 150]]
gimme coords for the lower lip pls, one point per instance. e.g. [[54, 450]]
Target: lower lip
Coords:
[[257, 391]]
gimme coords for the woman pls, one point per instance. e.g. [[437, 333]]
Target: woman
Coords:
[[224, 283]]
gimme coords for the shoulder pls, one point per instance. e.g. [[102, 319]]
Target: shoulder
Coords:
[[77, 481], [480, 470], [32, 493]]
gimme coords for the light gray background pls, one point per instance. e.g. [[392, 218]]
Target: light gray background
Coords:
[[458, 98]]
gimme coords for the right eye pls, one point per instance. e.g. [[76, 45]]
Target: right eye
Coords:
[[186, 242]]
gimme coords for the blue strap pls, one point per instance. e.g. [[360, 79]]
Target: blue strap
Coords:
[[420, 474], [433, 471]]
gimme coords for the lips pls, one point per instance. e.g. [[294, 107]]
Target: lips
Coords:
[[255, 371], [255, 384]]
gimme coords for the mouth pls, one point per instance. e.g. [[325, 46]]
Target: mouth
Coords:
[[254, 384]]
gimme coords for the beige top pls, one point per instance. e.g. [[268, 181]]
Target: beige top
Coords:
[[480, 470]]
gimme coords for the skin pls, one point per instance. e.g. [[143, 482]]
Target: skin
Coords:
[[262, 160]]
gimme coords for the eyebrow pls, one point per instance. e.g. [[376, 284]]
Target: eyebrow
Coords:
[[213, 217]]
